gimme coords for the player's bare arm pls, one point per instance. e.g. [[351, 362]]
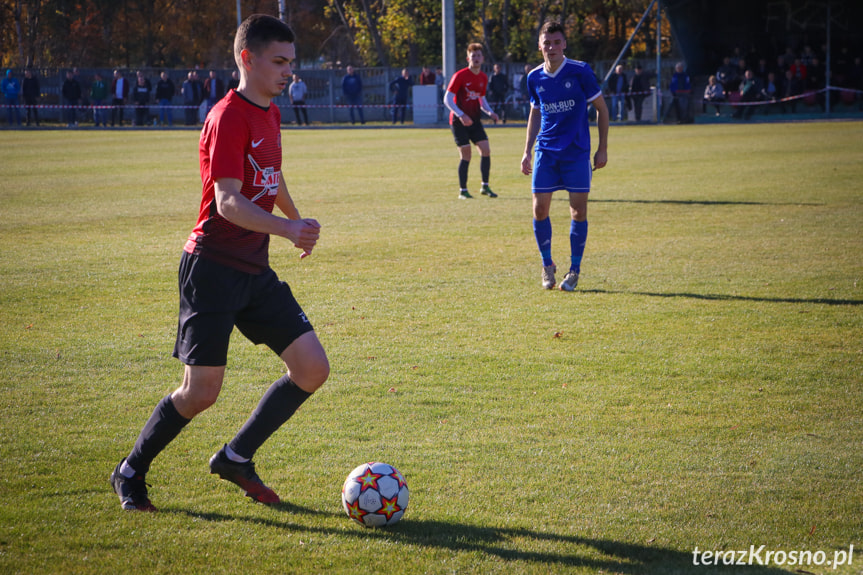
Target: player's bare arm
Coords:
[[600, 158], [286, 204], [239, 210], [533, 123]]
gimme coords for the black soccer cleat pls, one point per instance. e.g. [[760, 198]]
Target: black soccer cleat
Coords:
[[132, 491], [243, 475]]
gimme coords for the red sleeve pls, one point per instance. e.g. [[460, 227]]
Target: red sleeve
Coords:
[[227, 146], [455, 83]]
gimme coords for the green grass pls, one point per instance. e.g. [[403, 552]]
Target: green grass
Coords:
[[702, 388]]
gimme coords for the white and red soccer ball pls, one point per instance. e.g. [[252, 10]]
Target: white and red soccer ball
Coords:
[[375, 494]]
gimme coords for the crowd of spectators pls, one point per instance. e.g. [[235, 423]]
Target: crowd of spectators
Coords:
[[751, 82], [107, 102], [742, 84]]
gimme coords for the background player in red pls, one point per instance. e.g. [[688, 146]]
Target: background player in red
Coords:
[[465, 97], [225, 279]]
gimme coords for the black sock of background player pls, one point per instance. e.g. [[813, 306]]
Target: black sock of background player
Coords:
[[462, 173], [485, 168]]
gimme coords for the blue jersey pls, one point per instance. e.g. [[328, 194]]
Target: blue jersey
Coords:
[[562, 97]]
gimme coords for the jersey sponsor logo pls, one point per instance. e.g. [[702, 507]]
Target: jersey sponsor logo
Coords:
[[258, 143], [267, 178], [558, 107]]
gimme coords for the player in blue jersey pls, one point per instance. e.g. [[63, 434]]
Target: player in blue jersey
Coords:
[[560, 91]]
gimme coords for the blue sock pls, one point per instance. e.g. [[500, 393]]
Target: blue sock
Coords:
[[577, 239], [542, 231]]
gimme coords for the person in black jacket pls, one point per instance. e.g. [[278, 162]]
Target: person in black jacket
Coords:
[[639, 88], [141, 97], [71, 91], [31, 92]]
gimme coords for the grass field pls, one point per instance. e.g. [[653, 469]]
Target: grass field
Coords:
[[703, 388]]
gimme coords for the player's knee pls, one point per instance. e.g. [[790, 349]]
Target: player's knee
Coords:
[[312, 375], [191, 402]]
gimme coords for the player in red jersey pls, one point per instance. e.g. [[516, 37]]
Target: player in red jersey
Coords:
[[465, 97], [225, 278]]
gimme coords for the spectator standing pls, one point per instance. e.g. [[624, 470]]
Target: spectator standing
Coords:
[[498, 88], [141, 97], [11, 88], [770, 91], [816, 80], [214, 90], [31, 92], [799, 70], [617, 86], [523, 96], [792, 87], [234, 82], [297, 94], [855, 78], [427, 77], [192, 97], [119, 92], [352, 88], [680, 88], [165, 91], [400, 88], [639, 87], [71, 91], [98, 97], [713, 94], [440, 82]]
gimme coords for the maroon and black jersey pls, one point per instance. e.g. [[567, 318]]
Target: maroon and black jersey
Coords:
[[469, 89], [243, 141]]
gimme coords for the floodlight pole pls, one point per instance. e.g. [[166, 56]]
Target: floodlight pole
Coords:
[[628, 42], [658, 95], [827, 74], [448, 48]]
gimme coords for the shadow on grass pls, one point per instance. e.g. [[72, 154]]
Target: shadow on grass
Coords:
[[562, 197], [509, 544], [722, 297], [701, 202]]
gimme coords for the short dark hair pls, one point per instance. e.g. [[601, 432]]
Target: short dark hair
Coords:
[[552, 26], [257, 32]]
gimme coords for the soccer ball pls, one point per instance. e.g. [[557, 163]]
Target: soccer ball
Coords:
[[375, 494]]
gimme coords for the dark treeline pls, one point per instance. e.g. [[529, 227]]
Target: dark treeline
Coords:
[[184, 33]]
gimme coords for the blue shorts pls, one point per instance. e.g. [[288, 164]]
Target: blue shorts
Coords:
[[214, 298], [554, 171]]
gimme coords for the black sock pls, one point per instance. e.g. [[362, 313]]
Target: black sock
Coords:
[[275, 408], [462, 173], [485, 167], [163, 426]]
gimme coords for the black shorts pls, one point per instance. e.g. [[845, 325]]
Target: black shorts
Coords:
[[214, 298], [464, 135]]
